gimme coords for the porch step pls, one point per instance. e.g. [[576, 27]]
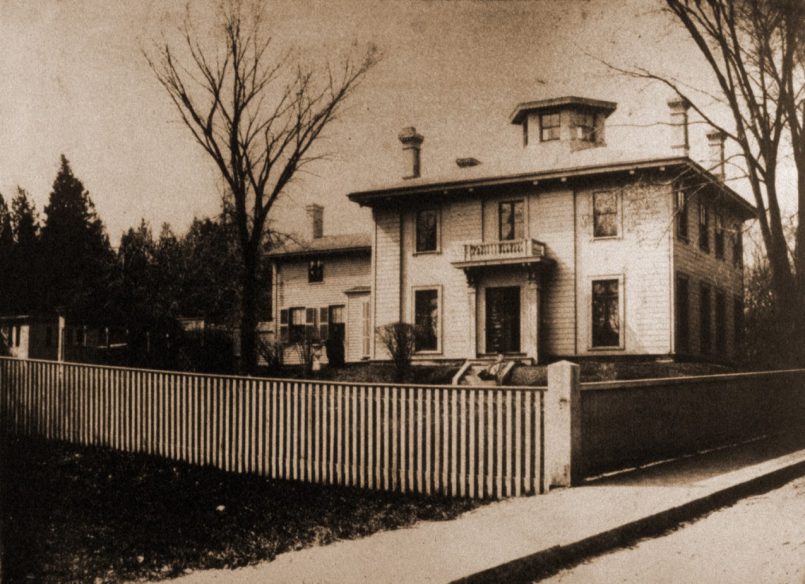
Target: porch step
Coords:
[[470, 373]]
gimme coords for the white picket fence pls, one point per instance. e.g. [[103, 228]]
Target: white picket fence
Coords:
[[453, 440]]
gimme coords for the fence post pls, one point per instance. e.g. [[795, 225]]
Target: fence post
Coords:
[[562, 425]]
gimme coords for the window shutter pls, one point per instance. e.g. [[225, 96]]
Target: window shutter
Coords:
[[284, 325]]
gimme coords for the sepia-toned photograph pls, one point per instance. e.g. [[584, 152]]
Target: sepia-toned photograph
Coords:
[[402, 291]]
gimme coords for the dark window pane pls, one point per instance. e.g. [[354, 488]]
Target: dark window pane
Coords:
[[605, 214], [549, 127], [511, 216], [719, 237], [426, 230], [586, 127], [738, 246], [705, 320], [704, 228], [426, 319], [682, 315], [315, 271], [606, 319], [721, 323], [682, 215]]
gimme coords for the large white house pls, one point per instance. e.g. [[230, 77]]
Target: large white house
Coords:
[[571, 249]]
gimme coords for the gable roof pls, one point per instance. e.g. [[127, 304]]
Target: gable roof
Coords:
[[328, 244]]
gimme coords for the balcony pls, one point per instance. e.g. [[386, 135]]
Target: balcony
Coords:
[[495, 253]]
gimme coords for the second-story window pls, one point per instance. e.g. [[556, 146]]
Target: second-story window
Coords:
[[427, 230], [315, 271], [682, 215], [704, 227], [719, 236], [511, 217], [737, 246], [549, 127], [585, 126], [605, 214]]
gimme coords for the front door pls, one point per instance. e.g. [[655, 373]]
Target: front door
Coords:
[[503, 320], [337, 334]]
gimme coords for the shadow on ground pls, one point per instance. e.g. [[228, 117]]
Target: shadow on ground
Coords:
[[73, 514], [701, 466]]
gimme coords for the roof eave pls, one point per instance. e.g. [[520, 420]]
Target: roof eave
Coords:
[[364, 197], [312, 252]]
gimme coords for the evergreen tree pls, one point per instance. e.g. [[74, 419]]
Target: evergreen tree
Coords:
[[26, 260], [77, 256], [6, 252]]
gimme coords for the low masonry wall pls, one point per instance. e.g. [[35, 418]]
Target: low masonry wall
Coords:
[[628, 423]]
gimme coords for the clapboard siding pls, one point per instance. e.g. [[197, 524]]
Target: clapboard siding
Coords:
[[551, 217], [386, 277], [641, 254], [341, 273], [700, 266], [460, 223]]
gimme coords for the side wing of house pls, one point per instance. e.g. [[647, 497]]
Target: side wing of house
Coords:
[[321, 297]]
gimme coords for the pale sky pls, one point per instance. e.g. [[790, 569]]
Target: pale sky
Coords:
[[73, 80]]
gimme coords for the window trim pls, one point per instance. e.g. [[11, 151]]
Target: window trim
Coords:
[[618, 214], [621, 313], [438, 248], [439, 316], [543, 127]]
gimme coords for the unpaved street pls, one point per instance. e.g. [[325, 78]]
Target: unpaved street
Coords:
[[759, 539]]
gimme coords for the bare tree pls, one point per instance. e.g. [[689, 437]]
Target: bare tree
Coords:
[[257, 114], [754, 49]]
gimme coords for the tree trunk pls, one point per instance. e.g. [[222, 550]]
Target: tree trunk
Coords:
[[248, 317]]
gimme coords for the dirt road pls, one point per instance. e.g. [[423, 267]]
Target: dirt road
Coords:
[[759, 539]]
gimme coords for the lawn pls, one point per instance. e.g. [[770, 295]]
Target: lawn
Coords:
[[75, 514]]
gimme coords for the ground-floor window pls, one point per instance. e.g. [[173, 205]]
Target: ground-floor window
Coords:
[[606, 313], [705, 329], [296, 328], [738, 322], [721, 322], [682, 314], [426, 319]]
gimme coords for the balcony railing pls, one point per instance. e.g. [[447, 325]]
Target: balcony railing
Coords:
[[492, 252]]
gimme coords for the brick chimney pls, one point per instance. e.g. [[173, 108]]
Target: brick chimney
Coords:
[[412, 144], [716, 163], [315, 215], [679, 125]]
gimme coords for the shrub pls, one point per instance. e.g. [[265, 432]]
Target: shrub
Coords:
[[399, 338]]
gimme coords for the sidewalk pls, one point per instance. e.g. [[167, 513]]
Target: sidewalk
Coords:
[[520, 539]]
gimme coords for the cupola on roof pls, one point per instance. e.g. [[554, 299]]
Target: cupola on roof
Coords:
[[568, 102]]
